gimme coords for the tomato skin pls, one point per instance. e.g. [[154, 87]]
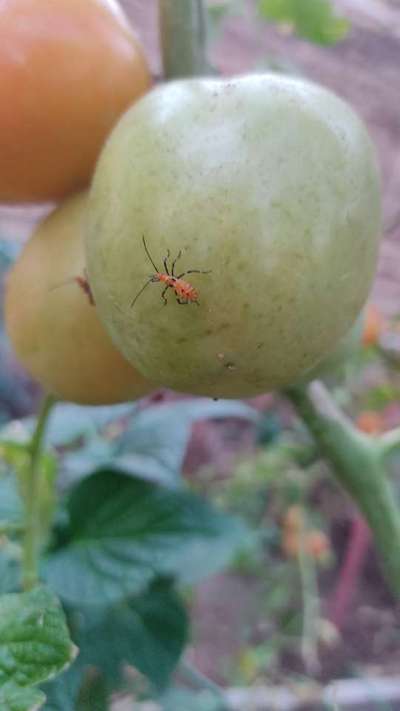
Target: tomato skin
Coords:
[[53, 327], [68, 70], [345, 348], [272, 184]]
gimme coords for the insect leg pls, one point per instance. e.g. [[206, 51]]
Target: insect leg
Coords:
[[175, 261], [194, 271], [148, 253], [141, 290], [163, 295], [165, 260], [180, 301]]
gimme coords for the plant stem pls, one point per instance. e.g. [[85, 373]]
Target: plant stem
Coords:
[[183, 34], [311, 609], [30, 554], [390, 442], [358, 465]]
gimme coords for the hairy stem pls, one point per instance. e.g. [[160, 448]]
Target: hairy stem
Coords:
[[358, 465], [30, 554], [183, 34]]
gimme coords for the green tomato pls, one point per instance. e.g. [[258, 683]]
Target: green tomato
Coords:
[[269, 182], [346, 348]]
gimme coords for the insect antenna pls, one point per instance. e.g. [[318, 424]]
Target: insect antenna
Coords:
[[148, 254], [72, 280], [141, 291], [83, 284]]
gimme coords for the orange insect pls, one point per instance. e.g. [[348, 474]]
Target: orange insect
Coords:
[[83, 284], [185, 293]]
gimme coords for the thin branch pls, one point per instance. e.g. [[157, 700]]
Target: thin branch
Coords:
[[30, 555], [311, 609]]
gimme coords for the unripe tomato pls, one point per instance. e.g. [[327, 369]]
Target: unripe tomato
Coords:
[[268, 181], [52, 325], [68, 69], [346, 347]]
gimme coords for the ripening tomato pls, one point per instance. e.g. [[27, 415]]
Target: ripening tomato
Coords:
[[68, 69], [52, 324], [268, 182]]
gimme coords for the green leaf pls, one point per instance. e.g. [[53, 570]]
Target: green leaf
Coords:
[[13, 485], [34, 639], [11, 509], [10, 572], [62, 692], [14, 455], [69, 422], [15, 698], [81, 688], [313, 19], [154, 445], [93, 695], [124, 532], [148, 632]]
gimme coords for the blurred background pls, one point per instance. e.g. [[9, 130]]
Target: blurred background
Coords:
[[280, 614]]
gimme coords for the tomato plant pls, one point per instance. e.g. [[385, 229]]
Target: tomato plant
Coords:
[[52, 323], [231, 239], [68, 70], [268, 182]]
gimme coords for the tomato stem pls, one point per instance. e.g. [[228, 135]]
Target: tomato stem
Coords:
[[358, 464], [183, 35], [31, 547]]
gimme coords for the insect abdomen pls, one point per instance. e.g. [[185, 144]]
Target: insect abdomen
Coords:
[[184, 290]]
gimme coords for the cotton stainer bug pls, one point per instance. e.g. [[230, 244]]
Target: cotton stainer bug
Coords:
[[185, 293]]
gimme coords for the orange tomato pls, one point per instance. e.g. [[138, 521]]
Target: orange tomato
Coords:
[[68, 69], [52, 324]]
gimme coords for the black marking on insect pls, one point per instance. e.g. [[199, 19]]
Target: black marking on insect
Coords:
[[184, 291]]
